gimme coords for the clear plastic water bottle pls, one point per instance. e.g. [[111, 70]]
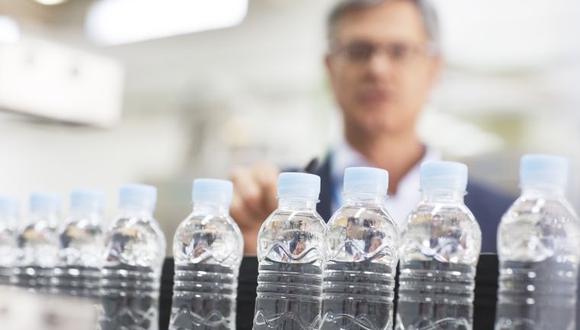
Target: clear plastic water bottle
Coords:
[[38, 243], [134, 253], [362, 239], [81, 247], [208, 248], [539, 251], [439, 253], [8, 238], [291, 254]]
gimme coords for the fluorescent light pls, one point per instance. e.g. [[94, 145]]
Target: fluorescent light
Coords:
[[113, 22], [50, 2], [9, 30]]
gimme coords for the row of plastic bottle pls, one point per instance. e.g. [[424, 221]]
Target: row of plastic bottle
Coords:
[[312, 275], [341, 275], [118, 268]]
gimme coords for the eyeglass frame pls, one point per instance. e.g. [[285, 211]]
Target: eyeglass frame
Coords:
[[390, 48]]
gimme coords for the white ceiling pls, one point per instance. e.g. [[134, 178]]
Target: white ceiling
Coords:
[[499, 51]]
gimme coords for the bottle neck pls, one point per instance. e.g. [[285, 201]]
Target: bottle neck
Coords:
[[297, 204], [51, 218], [219, 209], [7, 221], [443, 196], [130, 212], [363, 198], [92, 215], [545, 190]]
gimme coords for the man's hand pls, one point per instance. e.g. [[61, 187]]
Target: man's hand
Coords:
[[254, 199]]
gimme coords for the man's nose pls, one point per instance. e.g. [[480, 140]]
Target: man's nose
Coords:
[[380, 64]]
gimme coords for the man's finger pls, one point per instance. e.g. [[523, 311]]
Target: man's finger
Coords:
[[266, 175], [248, 189], [245, 218]]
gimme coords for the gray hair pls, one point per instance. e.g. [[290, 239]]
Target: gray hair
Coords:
[[425, 7]]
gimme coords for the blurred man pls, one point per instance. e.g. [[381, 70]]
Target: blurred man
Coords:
[[383, 60]]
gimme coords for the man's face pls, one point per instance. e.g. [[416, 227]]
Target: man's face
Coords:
[[381, 67]]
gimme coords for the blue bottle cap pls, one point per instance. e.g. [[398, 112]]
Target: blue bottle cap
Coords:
[[366, 180], [538, 170], [212, 191], [8, 207], [138, 197], [87, 200], [298, 185], [44, 203], [443, 175]]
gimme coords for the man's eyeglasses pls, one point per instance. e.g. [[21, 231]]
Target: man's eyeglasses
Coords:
[[361, 52]]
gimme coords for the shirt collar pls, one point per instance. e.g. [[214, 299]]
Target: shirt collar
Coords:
[[344, 156], [410, 183]]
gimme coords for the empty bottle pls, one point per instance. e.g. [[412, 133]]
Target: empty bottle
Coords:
[[208, 248], [539, 251], [291, 253], [81, 247], [439, 253], [134, 253], [38, 244], [362, 239], [8, 241]]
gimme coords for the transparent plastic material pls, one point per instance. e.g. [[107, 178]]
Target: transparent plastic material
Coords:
[[8, 240], [208, 249], [38, 245], [130, 277], [81, 248], [439, 252], [539, 251], [359, 275], [291, 254]]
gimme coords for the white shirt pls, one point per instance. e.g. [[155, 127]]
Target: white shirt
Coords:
[[399, 205]]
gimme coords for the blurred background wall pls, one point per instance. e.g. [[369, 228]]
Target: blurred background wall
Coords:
[[80, 110]]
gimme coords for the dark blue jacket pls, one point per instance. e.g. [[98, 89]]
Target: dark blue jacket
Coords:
[[488, 205]]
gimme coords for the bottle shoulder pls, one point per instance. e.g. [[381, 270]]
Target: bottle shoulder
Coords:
[[200, 222], [92, 221], [293, 237], [8, 225], [136, 224], [208, 239], [305, 218], [363, 234], [135, 241], [79, 232], [540, 208], [537, 228], [442, 214], [445, 232], [38, 232], [374, 216], [8, 236], [87, 226]]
